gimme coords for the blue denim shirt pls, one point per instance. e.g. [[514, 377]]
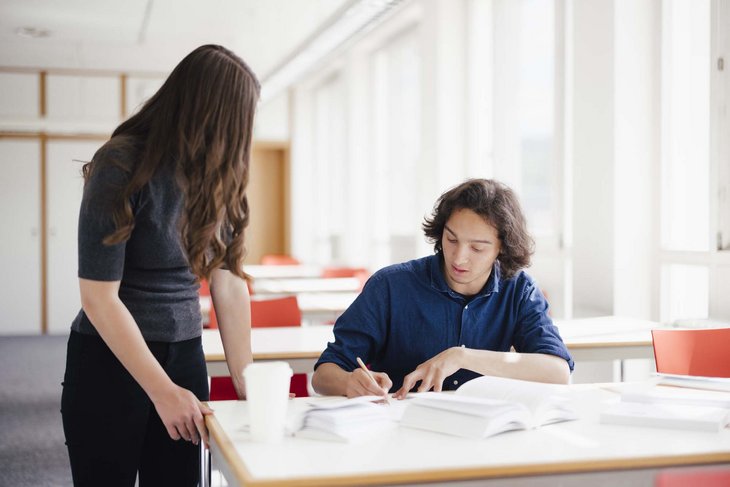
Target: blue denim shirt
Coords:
[[407, 313]]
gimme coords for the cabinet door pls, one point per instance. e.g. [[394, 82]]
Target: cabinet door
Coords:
[[65, 188], [20, 300]]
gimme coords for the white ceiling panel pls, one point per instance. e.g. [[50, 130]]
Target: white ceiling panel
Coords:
[[153, 35], [74, 20]]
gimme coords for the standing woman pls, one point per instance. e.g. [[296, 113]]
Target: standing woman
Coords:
[[164, 205]]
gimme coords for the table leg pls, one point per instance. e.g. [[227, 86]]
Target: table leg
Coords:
[[204, 466]]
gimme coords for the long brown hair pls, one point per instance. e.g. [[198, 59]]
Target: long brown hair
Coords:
[[499, 206], [201, 121]]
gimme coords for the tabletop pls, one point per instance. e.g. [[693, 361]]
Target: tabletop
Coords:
[[412, 456]]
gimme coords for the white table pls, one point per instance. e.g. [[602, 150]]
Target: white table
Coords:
[[316, 308], [405, 456], [306, 285], [592, 339], [298, 345], [608, 338], [282, 271]]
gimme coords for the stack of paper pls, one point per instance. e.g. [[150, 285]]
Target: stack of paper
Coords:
[[695, 382], [671, 407], [347, 420]]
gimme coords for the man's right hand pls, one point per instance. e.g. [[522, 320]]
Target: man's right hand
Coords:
[[359, 383]]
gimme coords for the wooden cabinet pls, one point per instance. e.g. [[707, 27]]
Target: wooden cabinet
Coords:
[[20, 249], [64, 159]]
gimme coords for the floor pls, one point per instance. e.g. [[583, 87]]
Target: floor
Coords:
[[32, 448]]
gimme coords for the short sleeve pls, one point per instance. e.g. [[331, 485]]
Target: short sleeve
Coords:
[[98, 261], [536, 332]]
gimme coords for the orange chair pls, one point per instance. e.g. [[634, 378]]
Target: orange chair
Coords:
[[701, 352], [265, 313], [342, 271], [279, 259], [360, 273]]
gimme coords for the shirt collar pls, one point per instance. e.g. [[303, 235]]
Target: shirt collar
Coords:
[[438, 281]]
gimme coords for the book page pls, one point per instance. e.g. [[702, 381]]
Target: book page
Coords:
[[548, 403], [475, 406]]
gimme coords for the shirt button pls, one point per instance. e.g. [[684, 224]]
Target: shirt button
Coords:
[[466, 307], [456, 382]]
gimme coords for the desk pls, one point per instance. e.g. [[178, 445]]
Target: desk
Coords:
[[608, 338], [592, 339], [298, 345], [407, 456], [282, 271], [315, 307], [306, 285], [324, 307]]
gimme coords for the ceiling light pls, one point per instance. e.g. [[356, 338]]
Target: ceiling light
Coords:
[[32, 32]]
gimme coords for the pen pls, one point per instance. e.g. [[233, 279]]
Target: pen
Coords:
[[367, 371]]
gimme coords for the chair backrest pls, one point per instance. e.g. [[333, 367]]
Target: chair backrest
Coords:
[[342, 271], [701, 352], [282, 311], [361, 273], [279, 259]]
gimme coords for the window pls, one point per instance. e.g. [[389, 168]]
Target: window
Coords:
[[685, 199], [526, 135], [695, 174], [329, 169], [685, 290], [537, 114], [720, 65], [396, 148]]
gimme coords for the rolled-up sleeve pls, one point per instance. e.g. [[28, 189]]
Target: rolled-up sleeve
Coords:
[[535, 331]]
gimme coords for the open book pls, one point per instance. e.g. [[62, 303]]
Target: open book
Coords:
[[346, 420], [486, 406]]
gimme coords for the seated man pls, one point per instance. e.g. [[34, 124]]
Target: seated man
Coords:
[[439, 321]]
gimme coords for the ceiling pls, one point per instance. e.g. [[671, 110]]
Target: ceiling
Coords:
[[153, 35]]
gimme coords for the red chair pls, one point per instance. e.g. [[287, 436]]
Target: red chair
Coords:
[[360, 273], [701, 352], [279, 259], [265, 313]]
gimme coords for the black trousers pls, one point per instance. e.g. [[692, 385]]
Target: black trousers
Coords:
[[112, 428]]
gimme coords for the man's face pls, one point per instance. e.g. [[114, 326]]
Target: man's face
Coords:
[[470, 247]]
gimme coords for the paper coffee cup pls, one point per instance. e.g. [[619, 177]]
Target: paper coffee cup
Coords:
[[267, 394]]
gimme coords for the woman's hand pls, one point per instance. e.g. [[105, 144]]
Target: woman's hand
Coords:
[[183, 414], [432, 372]]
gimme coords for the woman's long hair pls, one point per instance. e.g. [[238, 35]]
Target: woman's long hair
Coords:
[[499, 207], [200, 120]]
